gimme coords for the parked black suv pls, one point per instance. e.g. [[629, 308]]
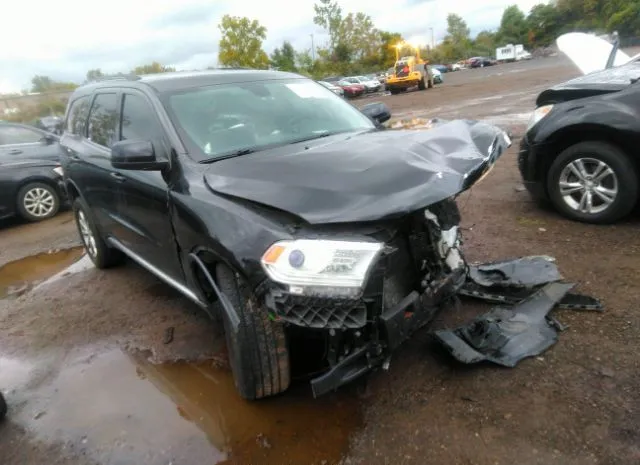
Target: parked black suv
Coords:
[[265, 195], [580, 150]]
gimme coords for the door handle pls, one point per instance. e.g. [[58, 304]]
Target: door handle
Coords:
[[118, 177], [15, 152]]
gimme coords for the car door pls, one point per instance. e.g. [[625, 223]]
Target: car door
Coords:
[[90, 130], [144, 207], [24, 142]]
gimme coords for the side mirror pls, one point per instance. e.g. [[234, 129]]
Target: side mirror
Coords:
[[377, 111], [136, 155], [49, 139]]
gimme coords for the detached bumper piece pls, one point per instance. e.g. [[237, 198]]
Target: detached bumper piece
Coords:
[[506, 335]]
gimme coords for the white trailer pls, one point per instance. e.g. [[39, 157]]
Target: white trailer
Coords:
[[512, 52]]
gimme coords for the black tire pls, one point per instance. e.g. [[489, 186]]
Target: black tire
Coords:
[[30, 189], [101, 254], [394, 91], [258, 353], [421, 84], [3, 407], [619, 163], [430, 84]]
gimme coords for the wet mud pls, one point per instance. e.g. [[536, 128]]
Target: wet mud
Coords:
[[18, 276], [117, 407]]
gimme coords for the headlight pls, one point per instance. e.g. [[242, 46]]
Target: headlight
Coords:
[[311, 266], [538, 114], [59, 171]]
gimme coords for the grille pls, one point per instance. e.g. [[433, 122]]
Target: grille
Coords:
[[319, 312]]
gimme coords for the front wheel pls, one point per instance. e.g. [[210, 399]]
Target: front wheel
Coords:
[[258, 351], [593, 182], [430, 83], [421, 85], [99, 252], [38, 201]]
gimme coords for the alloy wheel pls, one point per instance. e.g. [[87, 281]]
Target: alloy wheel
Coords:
[[87, 236], [39, 202], [588, 185]]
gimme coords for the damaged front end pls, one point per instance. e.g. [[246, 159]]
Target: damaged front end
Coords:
[[377, 248], [417, 269]]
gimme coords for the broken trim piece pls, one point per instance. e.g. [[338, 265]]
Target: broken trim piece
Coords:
[[505, 336]]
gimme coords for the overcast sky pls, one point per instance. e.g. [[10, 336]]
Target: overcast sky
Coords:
[[65, 38]]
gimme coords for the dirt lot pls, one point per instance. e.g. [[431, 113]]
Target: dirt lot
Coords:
[[85, 358]]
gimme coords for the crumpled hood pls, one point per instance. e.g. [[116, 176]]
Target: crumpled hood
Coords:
[[362, 177]]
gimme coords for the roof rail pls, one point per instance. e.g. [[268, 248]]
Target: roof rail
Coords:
[[117, 77]]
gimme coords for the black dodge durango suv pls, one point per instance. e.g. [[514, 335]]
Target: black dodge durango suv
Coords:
[[269, 200]]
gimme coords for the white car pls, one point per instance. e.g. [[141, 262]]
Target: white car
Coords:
[[369, 84]]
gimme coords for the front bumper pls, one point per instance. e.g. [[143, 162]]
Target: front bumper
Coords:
[[420, 269], [527, 165]]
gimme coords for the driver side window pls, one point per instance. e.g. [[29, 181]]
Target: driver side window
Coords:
[[138, 120]]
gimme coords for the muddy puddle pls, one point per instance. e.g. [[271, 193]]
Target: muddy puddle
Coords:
[[19, 276], [118, 408]]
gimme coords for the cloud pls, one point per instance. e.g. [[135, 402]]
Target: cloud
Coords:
[[64, 39]]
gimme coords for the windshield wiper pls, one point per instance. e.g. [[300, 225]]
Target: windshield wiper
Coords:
[[236, 153]]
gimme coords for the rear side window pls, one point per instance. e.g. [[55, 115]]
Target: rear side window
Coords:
[[17, 135], [103, 119], [138, 120], [77, 119]]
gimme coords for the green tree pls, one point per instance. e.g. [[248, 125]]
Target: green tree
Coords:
[[354, 42], [284, 58], [457, 42], [484, 43], [388, 42], [152, 68], [513, 27], [328, 15], [241, 43], [626, 21], [94, 75], [543, 24], [46, 84], [41, 83]]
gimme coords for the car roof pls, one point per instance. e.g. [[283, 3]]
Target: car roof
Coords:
[[183, 80]]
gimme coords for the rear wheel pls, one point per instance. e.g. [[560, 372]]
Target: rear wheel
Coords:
[[394, 91], [421, 85], [593, 182], [258, 352], [99, 252], [38, 201]]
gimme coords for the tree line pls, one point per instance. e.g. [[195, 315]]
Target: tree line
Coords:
[[355, 45]]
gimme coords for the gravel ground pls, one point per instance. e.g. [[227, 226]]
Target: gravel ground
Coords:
[[577, 404]]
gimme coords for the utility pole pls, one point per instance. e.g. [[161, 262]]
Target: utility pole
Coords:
[[433, 42], [313, 49]]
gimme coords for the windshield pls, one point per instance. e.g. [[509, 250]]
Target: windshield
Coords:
[[220, 120]]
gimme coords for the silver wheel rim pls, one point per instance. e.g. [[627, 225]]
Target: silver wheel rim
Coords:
[[87, 236], [588, 185], [39, 202]]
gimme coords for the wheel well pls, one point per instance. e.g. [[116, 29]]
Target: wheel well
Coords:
[[46, 181], [584, 133], [72, 191], [201, 281]]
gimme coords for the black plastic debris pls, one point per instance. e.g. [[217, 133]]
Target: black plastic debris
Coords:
[[511, 281], [520, 272], [507, 335]]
